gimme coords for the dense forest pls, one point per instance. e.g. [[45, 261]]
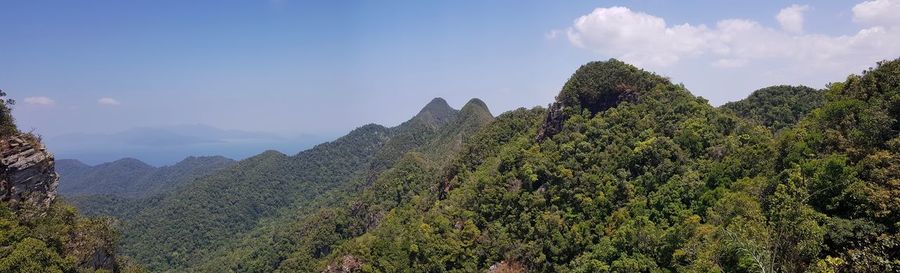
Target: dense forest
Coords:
[[628, 172], [625, 172], [49, 235], [129, 177]]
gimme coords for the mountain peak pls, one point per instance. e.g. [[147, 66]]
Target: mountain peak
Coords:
[[476, 102], [71, 163], [129, 162], [437, 105], [436, 113], [477, 107], [190, 160], [598, 86]]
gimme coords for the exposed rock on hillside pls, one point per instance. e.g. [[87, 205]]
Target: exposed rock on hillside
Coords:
[[596, 87], [347, 264], [27, 175], [506, 267]]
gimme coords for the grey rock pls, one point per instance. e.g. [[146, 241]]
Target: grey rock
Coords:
[[27, 174]]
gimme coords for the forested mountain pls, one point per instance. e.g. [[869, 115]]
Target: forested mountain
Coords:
[[628, 172], [38, 233], [778, 107], [625, 172], [129, 177], [182, 227]]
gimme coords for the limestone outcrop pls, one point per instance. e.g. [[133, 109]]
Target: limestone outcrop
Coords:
[[27, 174]]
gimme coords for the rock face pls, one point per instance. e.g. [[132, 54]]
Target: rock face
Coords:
[[506, 267], [347, 264], [552, 123], [27, 175]]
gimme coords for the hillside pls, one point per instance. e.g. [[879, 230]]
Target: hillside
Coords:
[[625, 172], [778, 107], [210, 212], [306, 234], [628, 172], [133, 178]]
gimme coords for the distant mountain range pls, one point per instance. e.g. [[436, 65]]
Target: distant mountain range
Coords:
[[174, 207], [129, 177], [166, 145]]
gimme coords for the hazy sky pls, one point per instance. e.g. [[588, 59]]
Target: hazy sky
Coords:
[[324, 67]]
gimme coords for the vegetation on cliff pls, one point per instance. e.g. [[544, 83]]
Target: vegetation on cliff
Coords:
[[38, 233]]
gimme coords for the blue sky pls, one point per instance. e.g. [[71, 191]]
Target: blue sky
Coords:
[[324, 67]]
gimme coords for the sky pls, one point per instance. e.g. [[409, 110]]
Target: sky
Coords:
[[294, 69]]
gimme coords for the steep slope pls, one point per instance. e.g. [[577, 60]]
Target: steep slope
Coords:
[[132, 178], [472, 117], [211, 210], [304, 234], [207, 214], [778, 107], [27, 176], [623, 154], [413, 133], [840, 179]]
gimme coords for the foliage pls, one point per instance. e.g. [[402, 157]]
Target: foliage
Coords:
[[58, 240], [665, 183], [639, 176], [217, 212], [7, 123], [133, 178], [777, 107]]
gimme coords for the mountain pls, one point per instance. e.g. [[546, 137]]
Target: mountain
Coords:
[[214, 210], [778, 107], [39, 233], [307, 233], [628, 172], [168, 144], [129, 177]]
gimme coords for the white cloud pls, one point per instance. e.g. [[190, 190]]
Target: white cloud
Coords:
[[108, 101], [878, 12], [636, 36], [791, 18], [647, 40], [40, 101]]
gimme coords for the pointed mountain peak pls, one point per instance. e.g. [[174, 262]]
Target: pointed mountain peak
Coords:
[[476, 104], [436, 106], [436, 113]]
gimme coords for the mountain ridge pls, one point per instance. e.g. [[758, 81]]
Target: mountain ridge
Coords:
[[130, 177], [277, 182]]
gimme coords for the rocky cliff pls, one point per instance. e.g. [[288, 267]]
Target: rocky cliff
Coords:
[[27, 175]]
